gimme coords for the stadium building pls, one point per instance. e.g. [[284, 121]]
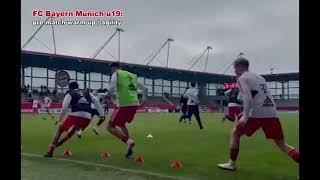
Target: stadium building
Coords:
[[165, 85]]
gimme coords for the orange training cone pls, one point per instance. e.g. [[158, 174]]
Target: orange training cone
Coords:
[[176, 164], [105, 154], [66, 153], [139, 159]]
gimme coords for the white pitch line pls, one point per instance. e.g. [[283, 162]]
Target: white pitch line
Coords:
[[107, 166]]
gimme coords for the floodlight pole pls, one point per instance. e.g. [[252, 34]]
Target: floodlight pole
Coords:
[[169, 40], [96, 53], [152, 58], [239, 56], [119, 30], [53, 37], [208, 48]]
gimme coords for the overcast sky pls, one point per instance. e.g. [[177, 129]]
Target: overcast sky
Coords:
[[266, 31]]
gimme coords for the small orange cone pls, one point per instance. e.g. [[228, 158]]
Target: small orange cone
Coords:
[[139, 159], [105, 154], [176, 164], [66, 153]]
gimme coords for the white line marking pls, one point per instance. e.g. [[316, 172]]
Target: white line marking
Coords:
[[107, 166]]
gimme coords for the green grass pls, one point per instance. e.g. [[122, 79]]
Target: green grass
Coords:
[[198, 150]]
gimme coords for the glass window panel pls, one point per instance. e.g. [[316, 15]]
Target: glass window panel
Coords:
[[95, 77], [175, 83], [175, 90], [95, 85], [52, 74], [167, 90], [293, 91], [213, 86], [51, 83], [72, 74], [106, 78], [273, 91], [175, 95], [149, 89], [80, 76], [39, 72], [294, 83], [212, 92], [279, 91], [182, 90], [157, 89], [279, 85], [166, 83], [158, 82], [38, 82], [294, 96], [286, 91], [27, 71], [271, 84], [88, 85], [105, 85], [81, 84], [141, 80], [183, 84], [148, 81], [27, 81], [158, 94]]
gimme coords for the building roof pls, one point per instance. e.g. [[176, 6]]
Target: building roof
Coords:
[[87, 65]]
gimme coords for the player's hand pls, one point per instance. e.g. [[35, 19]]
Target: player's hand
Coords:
[[242, 121]]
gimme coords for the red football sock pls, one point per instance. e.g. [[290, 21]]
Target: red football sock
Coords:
[[234, 154], [52, 148], [294, 154]]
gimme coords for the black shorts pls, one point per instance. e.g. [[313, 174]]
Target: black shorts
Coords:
[[184, 109], [94, 112]]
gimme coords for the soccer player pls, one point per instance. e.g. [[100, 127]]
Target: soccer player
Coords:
[[184, 109], [234, 104], [35, 104], [94, 112], [259, 111], [193, 101], [79, 118], [47, 103], [125, 86]]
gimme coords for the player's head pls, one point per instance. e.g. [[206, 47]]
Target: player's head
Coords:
[[114, 66], [193, 84], [73, 85], [240, 66]]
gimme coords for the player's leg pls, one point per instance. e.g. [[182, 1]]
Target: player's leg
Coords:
[[67, 136], [54, 143], [249, 128], [197, 115], [273, 130], [291, 151], [189, 113], [119, 118]]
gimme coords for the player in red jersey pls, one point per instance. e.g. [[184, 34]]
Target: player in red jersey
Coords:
[[79, 118], [259, 111]]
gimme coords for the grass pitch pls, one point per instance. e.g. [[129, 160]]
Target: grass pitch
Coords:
[[198, 150]]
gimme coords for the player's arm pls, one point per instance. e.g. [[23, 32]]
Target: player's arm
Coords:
[[246, 98], [97, 104], [113, 85], [99, 109], [185, 94], [65, 105]]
